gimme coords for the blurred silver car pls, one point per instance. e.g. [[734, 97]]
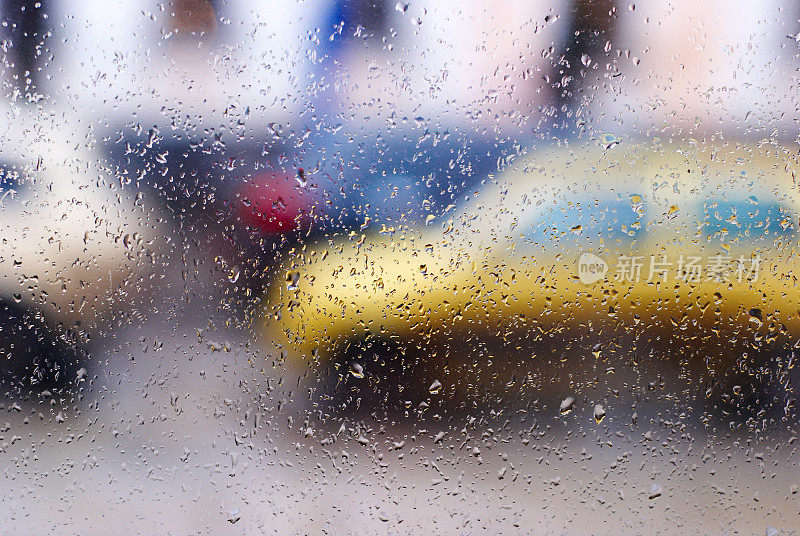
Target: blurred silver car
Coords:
[[73, 237]]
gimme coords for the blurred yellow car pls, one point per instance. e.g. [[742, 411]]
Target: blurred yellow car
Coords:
[[690, 242]]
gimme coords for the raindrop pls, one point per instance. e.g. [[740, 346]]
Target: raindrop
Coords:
[[301, 177], [599, 413], [609, 140], [356, 370], [673, 211], [637, 201], [655, 491], [566, 405], [292, 280]]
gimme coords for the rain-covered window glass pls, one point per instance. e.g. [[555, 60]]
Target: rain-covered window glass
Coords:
[[399, 267]]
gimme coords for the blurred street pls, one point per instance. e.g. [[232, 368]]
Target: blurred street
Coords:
[[314, 267]]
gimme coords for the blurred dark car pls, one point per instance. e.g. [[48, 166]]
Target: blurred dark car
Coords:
[[349, 183]]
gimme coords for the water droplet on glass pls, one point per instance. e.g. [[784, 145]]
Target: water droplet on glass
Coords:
[[756, 317], [566, 405], [434, 388], [357, 370], [609, 140], [673, 211], [301, 177], [292, 280], [599, 413], [637, 202]]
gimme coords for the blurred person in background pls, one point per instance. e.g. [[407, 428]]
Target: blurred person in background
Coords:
[[592, 25], [24, 31]]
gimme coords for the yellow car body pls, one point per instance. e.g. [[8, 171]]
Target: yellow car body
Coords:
[[507, 264]]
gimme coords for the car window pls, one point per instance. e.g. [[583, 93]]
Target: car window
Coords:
[[590, 222], [748, 219]]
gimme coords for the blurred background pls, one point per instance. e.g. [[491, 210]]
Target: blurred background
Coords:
[[214, 136], [360, 111]]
